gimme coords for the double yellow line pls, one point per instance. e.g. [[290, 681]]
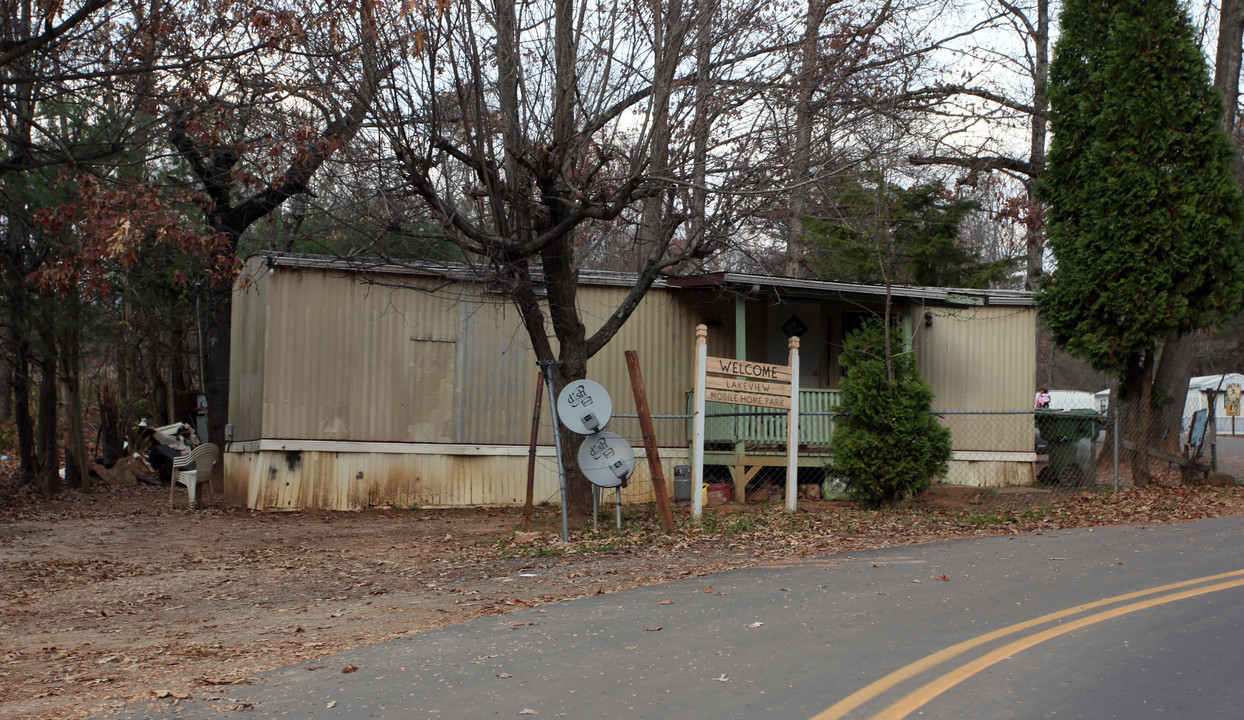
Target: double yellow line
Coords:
[[930, 690]]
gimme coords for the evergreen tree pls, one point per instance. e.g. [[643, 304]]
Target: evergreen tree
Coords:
[[1144, 214], [910, 236], [887, 447]]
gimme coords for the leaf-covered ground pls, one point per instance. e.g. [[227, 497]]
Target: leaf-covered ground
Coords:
[[110, 597]]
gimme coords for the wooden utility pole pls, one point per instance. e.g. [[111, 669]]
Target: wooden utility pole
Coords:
[[650, 442]]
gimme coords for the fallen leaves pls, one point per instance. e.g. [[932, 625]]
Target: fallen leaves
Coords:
[[265, 570]]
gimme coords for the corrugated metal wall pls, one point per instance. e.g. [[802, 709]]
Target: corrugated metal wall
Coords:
[[984, 359], [247, 359], [351, 361], [662, 332], [495, 374]]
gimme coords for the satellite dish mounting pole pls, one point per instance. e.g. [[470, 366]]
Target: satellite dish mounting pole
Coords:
[[557, 442]]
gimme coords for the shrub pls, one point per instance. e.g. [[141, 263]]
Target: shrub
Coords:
[[887, 447]]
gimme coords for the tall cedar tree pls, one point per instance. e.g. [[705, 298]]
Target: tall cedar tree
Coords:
[[1144, 214], [887, 447]]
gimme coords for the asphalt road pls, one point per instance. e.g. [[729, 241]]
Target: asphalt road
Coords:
[[1112, 623], [1231, 455]]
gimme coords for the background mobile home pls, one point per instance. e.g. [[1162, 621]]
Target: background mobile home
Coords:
[[1226, 391]]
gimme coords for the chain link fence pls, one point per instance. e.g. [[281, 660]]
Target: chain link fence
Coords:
[[1069, 444], [1200, 440]]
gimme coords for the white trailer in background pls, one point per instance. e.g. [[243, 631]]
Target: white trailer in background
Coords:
[[1225, 390]]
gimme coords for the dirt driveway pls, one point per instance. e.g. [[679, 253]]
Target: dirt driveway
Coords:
[[110, 597]]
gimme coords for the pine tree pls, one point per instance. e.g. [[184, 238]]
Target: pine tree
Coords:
[[887, 447], [881, 231], [1144, 214]]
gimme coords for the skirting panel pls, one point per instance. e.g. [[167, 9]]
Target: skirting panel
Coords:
[[275, 480]]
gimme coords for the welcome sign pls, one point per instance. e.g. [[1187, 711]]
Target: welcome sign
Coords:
[[743, 382]]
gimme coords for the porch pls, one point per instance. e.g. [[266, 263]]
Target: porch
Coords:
[[742, 441]]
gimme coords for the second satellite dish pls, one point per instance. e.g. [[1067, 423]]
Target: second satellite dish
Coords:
[[606, 459], [584, 407]]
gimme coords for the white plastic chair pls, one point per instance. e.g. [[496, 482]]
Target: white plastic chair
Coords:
[[189, 468]]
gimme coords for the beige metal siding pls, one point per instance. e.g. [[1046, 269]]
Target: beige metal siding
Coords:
[[352, 361], [497, 380], [349, 361], [495, 373], [984, 359], [662, 332], [247, 358]]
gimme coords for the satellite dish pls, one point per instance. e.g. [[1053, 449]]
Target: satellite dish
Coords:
[[584, 407], [606, 459]]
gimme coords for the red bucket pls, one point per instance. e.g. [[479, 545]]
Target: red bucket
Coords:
[[719, 494]]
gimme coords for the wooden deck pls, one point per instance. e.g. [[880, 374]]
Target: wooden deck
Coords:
[[744, 440]]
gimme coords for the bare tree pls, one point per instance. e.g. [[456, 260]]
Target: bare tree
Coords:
[[861, 71], [984, 105], [535, 131]]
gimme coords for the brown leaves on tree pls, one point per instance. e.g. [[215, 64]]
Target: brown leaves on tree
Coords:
[[107, 226]]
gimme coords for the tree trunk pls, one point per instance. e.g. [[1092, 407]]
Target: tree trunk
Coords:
[[110, 432], [73, 468], [801, 162], [47, 462], [70, 382], [571, 337], [1176, 366], [22, 387], [1227, 60], [703, 121], [1139, 383], [6, 378], [1034, 229]]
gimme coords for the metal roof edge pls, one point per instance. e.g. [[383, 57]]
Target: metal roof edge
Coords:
[[950, 296], [466, 272]]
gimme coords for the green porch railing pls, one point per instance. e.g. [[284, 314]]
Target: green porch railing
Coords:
[[727, 425]]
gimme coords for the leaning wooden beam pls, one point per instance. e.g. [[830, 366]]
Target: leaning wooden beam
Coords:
[[1177, 459]]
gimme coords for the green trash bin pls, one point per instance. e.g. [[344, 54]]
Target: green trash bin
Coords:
[[1072, 438]]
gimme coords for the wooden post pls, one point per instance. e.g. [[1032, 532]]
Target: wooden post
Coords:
[[531, 455], [650, 442]]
